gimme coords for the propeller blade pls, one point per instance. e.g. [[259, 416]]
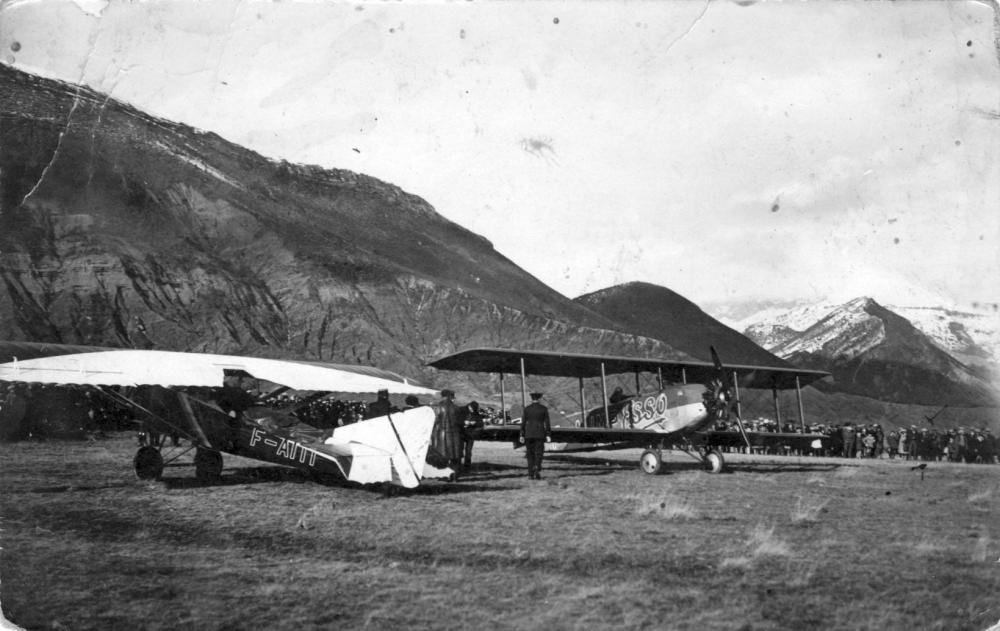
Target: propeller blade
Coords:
[[718, 362], [743, 430], [730, 399]]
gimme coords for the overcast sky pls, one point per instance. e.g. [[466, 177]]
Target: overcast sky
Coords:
[[728, 150]]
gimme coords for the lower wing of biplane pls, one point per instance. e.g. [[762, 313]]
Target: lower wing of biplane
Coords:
[[184, 394], [690, 398], [704, 446]]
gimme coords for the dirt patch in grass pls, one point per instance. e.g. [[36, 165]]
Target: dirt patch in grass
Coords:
[[779, 543]]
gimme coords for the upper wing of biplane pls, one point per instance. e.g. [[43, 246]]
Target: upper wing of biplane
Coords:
[[85, 365], [553, 364]]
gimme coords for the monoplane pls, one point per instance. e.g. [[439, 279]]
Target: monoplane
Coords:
[[198, 396], [681, 411]]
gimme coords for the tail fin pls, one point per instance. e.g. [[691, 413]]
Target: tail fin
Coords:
[[388, 448]]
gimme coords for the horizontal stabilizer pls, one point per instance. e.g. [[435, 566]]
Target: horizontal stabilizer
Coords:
[[369, 465], [387, 448]]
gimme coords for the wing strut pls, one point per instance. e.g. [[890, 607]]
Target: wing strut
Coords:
[[189, 413]]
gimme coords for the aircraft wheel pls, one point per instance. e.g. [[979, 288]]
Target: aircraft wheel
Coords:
[[148, 463], [714, 461], [650, 462], [207, 465]]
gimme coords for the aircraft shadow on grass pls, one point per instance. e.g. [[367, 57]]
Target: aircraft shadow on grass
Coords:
[[241, 476], [445, 488], [272, 475], [71, 488], [584, 467], [797, 467]]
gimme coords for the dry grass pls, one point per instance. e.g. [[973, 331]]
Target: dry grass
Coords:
[[929, 547], [800, 575], [981, 548], [665, 508], [807, 512], [816, 479], [760, 543], [596, 545], [848, 471], [981, 496], [763, 542]]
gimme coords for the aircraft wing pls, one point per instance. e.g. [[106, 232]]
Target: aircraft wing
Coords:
[[571, 435], [553, 364], [630, 438], [86, 365]]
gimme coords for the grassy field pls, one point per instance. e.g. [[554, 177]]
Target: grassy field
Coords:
[[777, 543]]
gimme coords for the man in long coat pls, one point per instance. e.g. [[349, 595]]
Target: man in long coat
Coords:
[[535, 430], [448, 431]]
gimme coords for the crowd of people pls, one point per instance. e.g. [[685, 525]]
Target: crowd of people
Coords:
[[327, 413], [861, 440]]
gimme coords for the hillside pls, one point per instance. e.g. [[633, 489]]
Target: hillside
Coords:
[[122, 229], [660, 313]]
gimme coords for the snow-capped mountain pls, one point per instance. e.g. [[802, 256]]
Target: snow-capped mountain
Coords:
[[770, 335], [971, 336], [845, 332], [875, 352], [794, 315]]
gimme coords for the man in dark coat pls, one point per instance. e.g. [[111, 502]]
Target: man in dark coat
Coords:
[[472, 422], [380, 406], [448, 431], [848, 434], [535, 430]]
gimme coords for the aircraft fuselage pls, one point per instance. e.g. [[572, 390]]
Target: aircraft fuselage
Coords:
[[672, 409]]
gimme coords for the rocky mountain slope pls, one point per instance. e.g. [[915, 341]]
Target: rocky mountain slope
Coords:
[[121, 229], [660, 313], [875, 352], [972, 337]]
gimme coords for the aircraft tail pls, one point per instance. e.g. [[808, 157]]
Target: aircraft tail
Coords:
[[388, 448]]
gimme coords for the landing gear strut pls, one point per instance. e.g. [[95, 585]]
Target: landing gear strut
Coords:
[[148, 463]]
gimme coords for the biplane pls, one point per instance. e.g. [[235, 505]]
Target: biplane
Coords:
[[199, 397], [680, 411]]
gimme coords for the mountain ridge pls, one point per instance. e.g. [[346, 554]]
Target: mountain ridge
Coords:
[[662, 313], [873, 351], [121, 229]]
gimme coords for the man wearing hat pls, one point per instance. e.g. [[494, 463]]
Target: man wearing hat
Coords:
[[380, 406], [448, 427], [535, 430]]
